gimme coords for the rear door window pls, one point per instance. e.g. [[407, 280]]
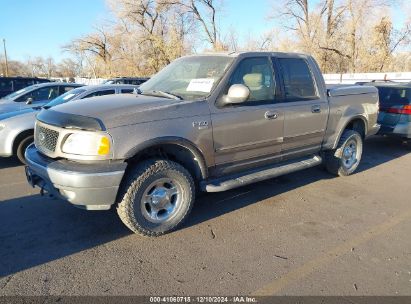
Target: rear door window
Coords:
[[298, 80]]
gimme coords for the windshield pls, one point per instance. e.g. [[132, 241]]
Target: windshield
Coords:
[[19, 92], [189, 77], [64, 98]]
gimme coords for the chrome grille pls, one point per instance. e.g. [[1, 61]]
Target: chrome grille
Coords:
[[46, 139]]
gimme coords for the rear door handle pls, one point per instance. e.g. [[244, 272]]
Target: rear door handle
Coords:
[[316, 109], [270, 115]]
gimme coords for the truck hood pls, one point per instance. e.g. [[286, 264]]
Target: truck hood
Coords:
[[123, 109]]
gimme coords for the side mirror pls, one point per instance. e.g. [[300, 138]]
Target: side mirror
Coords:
[[29, 101], [237, 93]]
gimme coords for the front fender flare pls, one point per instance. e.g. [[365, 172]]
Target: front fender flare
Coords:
[[171, 140]]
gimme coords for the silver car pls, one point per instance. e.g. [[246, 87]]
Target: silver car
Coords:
[[16, 128], [34, 96]]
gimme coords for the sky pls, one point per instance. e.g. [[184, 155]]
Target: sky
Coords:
[[41, 27]]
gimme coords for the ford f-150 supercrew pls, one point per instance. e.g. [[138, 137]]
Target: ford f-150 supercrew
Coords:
[[205, 122]]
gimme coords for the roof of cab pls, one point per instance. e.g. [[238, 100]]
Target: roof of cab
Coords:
[[251, 53]]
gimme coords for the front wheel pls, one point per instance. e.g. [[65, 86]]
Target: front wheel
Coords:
[[156, 198], [344, 160], [21, 148]]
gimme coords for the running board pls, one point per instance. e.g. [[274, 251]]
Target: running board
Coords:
[[238, 180]]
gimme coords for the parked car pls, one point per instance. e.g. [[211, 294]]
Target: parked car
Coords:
[[17, 128], [127, 80], [395, 109], [9, 85], [34, 96], [210, 122]]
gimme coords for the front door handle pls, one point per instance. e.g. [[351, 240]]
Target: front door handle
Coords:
[[270, 115], [316, 109]]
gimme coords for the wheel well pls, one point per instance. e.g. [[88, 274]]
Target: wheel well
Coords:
[[20, 137], [357, 125], [176, 153]]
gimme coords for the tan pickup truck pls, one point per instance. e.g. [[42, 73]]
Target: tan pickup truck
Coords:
[[206, 122]]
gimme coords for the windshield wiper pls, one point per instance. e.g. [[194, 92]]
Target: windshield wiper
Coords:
[[163, 94]]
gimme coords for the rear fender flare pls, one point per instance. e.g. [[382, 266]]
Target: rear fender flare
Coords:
[[364, 120]]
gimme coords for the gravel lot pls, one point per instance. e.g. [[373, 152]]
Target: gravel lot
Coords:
[[306, 233]]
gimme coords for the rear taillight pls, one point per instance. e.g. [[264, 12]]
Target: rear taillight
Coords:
[[406, 110]]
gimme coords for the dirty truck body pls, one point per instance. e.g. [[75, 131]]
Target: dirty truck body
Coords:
[[208, 122]]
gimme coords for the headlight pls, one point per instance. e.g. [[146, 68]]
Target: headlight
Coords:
[[87, 144], [2, 126]]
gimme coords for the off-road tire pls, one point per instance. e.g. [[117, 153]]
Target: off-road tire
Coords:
[[135, 184], [333, 159], [21, 148]]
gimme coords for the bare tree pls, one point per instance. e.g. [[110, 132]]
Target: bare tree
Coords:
[[205, 13], [388, 39], [97, 45]]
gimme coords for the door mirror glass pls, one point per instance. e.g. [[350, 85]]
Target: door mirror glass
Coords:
[[29, 100], [237, 93]]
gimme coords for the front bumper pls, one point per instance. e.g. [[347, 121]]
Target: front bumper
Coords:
[[89, 186]]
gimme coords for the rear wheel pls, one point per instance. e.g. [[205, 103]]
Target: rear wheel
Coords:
[[22, 146], [157, 197], [344, 160]]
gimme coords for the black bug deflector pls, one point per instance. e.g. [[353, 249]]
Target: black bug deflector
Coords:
[[70, 121]]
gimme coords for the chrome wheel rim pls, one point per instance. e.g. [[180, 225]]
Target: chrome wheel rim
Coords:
[[350, 154], [161, 200]]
